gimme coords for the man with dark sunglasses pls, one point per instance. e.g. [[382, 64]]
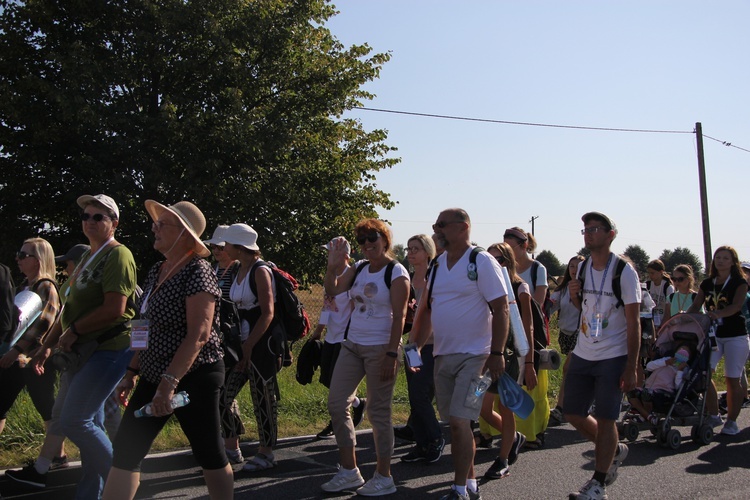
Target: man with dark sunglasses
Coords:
[[469, 336]]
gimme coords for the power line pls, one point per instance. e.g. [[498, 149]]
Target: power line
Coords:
[[548, 125], [528, 124], [728, 144]]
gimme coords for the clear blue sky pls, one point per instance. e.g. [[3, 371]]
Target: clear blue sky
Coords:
[[660, 65]]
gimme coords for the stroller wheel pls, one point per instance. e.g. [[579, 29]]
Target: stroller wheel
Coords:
[[673, 439], [704, 434], [631, 431]]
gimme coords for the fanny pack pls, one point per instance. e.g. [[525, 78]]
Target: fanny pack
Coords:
[[73, 360]]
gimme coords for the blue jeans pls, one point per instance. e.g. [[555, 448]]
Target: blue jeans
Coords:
[[421, 386], [82, 416]]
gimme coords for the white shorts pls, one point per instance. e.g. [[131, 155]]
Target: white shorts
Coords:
[[735, 351]]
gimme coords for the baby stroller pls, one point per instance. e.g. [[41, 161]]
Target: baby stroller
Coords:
[[686, 406]]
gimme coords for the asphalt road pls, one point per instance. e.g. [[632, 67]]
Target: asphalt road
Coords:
[[717, 470]]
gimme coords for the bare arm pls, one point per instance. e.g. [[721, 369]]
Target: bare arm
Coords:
[[633, 318], [697, 302], [399, 298], [500, 327], [97, 320], [540, 292], [524, 300], [733, 308], [265, 302]]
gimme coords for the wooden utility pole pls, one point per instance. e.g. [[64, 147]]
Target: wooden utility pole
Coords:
[[533, 218], [704, 196]]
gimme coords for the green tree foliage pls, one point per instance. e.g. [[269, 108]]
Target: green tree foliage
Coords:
[[551, 262], [231, 104], [639, 257], [584, 251], [673, 258]]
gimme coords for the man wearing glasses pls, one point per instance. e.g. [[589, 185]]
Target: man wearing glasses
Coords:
[[603, 363], [469, 336]]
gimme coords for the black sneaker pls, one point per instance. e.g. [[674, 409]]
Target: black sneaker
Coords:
[[417, 454], [516, 448], [359, 412], [59, 463], [326, 433], [404, 433], [434, 451], [498, 470], [28, 475]]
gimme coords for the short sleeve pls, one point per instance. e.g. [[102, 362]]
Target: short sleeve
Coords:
[[119, 274], [202, 279]]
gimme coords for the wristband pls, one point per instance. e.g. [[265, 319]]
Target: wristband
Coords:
[[173, 381], [73, 329], [496, 353], [135, 371], [391, 354]]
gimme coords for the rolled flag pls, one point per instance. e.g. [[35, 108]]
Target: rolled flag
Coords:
[[29, 306], [513, 397], [549, 359], [516, 325]]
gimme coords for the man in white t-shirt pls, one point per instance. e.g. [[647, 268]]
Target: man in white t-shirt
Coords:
[[469, 336], [603, 363]]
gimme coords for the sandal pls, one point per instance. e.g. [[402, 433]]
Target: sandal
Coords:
[[483, 441], [259, 462], [536, 444]]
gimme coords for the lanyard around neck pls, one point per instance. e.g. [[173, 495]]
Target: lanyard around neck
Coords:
[[80, 269], [600, 292]]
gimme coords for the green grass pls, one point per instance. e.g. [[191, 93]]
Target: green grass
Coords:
[[302, 409]]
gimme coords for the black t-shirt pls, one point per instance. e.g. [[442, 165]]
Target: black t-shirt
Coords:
[[721, 295]]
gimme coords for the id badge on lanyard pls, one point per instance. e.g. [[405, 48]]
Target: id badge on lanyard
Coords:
[[139, 334]]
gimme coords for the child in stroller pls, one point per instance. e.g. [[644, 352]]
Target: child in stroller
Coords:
[[666, 375]]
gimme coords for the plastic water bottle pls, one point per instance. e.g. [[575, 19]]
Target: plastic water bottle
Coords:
[[477, 389], [178, 401]]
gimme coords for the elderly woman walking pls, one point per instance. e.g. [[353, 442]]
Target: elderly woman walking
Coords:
[[183, 353]]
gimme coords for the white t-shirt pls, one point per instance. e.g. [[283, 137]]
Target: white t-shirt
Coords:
[[372, 316], [567, 320], [541, 276], [461, 318], [335, 315], [660, 298], [599, 298], [243, 296]]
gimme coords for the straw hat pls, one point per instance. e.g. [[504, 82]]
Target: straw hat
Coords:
[[190, 217]]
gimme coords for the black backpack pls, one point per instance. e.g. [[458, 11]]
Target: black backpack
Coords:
[[288, 309], [541, 341]]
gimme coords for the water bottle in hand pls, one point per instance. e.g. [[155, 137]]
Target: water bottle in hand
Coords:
[[178, 401], [477, 390]]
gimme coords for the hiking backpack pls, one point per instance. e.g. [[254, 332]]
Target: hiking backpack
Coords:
[[288, 309], [616, 286]]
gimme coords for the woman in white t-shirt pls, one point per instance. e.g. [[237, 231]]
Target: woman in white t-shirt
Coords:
[[379, 288], [659, 286]]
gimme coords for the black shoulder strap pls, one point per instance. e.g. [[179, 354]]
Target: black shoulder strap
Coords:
[[664, 287], [42, 280], [616, 285], [389, 273], [251, 277], [431, 273], [534, 271], [671, 297]]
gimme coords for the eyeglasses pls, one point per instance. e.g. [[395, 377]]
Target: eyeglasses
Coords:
[[678, 279], [96, 217], [158, 224], [216, 247], [22, 255], [441, 224], [371, 237], [413, 249], [592, 230]]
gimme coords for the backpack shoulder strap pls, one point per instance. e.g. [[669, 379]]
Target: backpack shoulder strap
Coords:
[[251, 277], [616, 285], [389, 273], [534, 271], [431, 273]]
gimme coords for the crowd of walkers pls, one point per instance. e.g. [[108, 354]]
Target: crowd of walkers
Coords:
[[451, 317]]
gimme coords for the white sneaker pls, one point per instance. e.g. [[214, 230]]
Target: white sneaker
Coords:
[[714, 420], [344, 479], [622, 452], [377, 486], [593, 490], [730, 428], [235, 456]]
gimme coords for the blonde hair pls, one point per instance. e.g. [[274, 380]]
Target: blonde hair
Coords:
[[42, 250], [427, 244]]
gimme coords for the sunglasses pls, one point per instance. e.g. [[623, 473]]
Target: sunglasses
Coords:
[[22, 255], [594, 229], [442, 224], [372, 238], [96, 217], [216, 247], [678, 279]]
